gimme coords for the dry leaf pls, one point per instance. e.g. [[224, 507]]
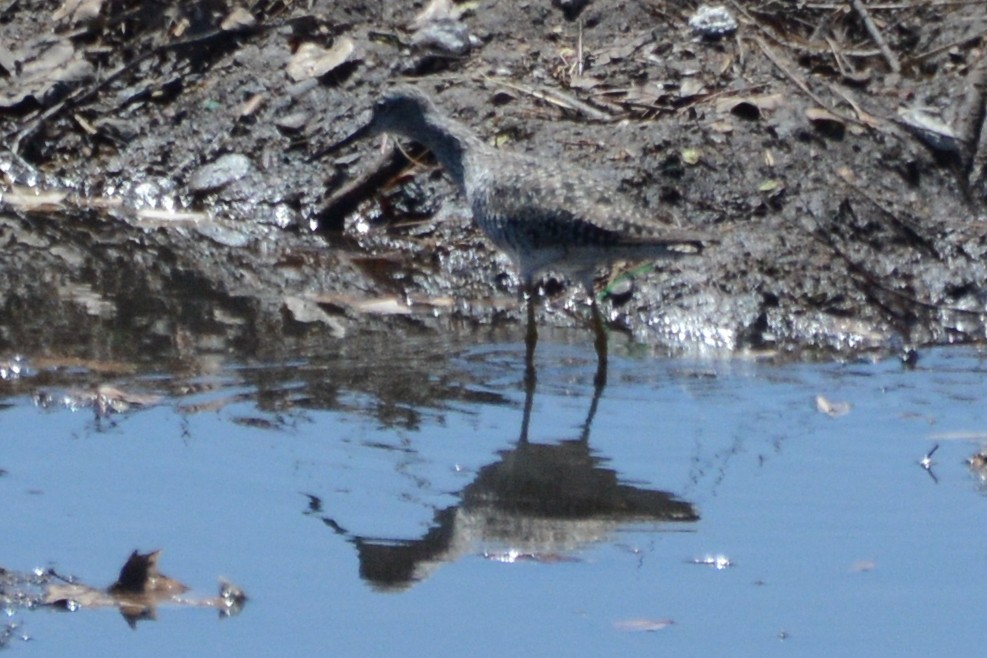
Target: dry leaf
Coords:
[[78, 11], [32, 200], [238, 20], [753, 105], [251, 105], [313, 61]]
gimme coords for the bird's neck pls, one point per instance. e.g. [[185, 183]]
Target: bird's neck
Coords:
[[452, 144]]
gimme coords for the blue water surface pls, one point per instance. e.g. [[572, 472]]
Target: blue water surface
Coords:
[[840, 542]]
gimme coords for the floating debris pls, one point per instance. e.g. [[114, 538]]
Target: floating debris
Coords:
[[13, 368], [104, 399], [643, 625], [926, 462], [513, 556], [830, 408], [718, 562], [138, 590], [978, 466]]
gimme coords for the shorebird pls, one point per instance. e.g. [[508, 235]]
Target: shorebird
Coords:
[[544, 214]]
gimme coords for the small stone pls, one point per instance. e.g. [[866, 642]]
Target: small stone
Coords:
[[713, 22], [293, 122], [220, 173], [446, 35]]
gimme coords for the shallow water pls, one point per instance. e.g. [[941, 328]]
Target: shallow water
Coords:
[[392, 509]]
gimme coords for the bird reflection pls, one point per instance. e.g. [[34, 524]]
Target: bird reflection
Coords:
[[537, 501]]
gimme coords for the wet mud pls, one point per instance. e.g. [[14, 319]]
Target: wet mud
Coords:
[[159, 190], [163, 205]]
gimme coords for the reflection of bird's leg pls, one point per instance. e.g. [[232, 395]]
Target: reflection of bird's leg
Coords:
[[597, 392], [600, 343]]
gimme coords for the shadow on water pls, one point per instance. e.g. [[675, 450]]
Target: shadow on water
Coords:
[[536, 502]]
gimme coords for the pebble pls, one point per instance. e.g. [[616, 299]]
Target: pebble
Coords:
[[220, 172]]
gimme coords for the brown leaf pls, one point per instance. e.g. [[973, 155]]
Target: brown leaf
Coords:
[[140, 575], [313, 61]]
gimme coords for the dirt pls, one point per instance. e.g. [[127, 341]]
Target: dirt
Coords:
[[841, 229], [160, 203]]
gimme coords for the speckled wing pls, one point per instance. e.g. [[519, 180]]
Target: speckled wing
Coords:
[[534, 204]]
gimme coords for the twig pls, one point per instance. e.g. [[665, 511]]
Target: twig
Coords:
[[911, 229], [579, 51], [976, 36], [766, 49], [346, 199], [973, 129], [557, 98], [875, 34], [876, 283], [79, 96]]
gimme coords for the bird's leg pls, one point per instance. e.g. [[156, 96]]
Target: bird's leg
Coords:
[[530, 337], [600, 343]]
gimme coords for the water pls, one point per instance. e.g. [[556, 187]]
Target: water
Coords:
[[385, 506]]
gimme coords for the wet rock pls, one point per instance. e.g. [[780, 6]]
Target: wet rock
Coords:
[[713, 22], [220, 173], [226, 236], [446, 35], [294, 122], [308, 312]]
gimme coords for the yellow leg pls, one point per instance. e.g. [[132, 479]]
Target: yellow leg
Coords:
[[530, 339], [600, 343]]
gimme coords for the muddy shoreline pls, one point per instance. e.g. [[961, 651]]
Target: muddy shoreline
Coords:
[[130, 233]]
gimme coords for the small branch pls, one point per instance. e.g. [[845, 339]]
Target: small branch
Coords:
[[776, 60], [967, 40], [579, 51], [332, 215], [875, 34], [557, 98], [973, 125]]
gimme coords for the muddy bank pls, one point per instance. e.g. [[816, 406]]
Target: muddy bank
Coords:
[[159, 200]]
